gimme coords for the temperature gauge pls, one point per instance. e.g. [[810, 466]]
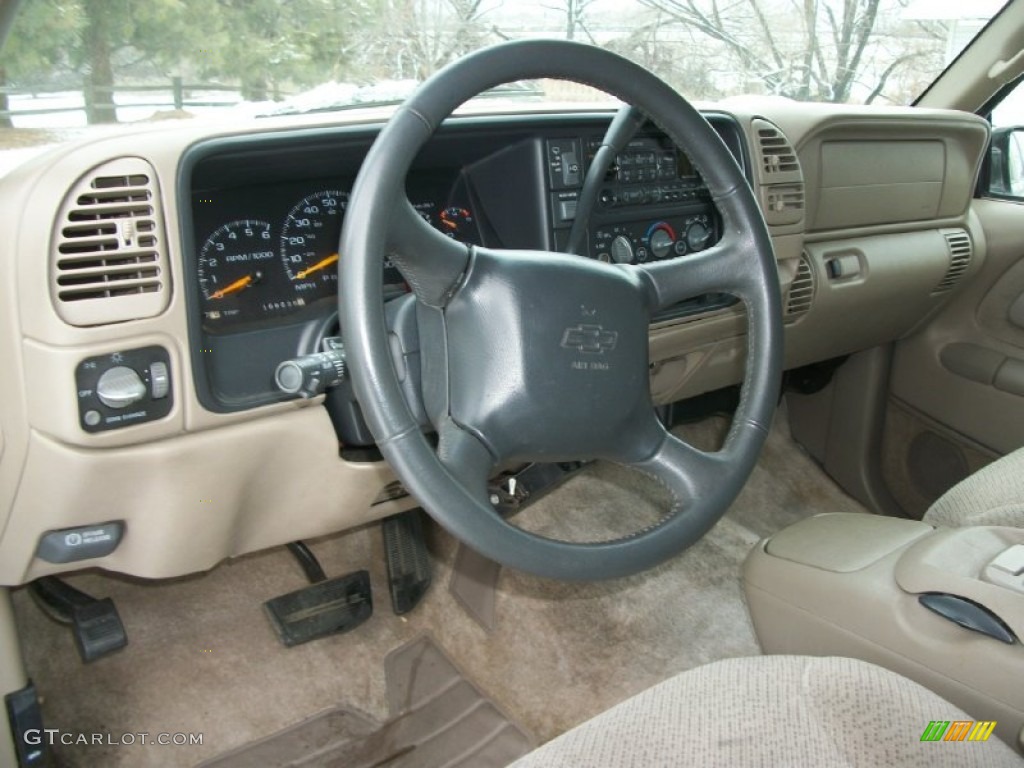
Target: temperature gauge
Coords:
[[457, 223]]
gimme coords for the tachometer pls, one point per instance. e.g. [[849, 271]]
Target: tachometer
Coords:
[[309, 243], [233, 261]]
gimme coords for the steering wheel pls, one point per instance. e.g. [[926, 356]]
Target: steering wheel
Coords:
[[540, 356]]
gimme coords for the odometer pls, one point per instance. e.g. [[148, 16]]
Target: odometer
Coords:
[[309, 243]]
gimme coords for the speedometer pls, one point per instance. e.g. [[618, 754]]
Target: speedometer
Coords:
[[309, 243]]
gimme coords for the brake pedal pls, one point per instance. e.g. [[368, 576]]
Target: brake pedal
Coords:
[[409, 572], [95, 623], [326, 608]]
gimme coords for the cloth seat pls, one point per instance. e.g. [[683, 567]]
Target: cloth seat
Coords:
[[773, 711], [994, 495]]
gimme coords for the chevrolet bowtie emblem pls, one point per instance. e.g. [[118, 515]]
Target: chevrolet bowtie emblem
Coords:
[[590, 338]]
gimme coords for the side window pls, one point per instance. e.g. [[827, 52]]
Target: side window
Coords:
[[1006, 152]]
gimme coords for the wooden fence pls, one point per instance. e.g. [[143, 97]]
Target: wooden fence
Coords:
[[177, 97]]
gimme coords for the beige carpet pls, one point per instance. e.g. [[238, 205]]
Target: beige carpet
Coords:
[[202, 657]]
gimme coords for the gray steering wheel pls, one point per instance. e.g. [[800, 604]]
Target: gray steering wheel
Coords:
[[540, 356]]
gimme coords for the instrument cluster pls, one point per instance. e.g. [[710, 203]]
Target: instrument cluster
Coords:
[[269, 252]]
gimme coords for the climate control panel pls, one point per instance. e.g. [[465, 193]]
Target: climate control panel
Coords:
[[641, 242], [123, 388]]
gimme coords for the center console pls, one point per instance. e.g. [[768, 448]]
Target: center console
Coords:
[[944, 607], [653, 204]]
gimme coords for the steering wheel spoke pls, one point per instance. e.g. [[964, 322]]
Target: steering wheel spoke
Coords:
[[692, 475], [468, 459], [723, 268]]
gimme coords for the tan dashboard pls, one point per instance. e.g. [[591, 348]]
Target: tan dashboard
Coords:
[[869, 210]]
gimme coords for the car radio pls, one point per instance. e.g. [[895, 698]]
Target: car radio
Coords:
[[652, 205]]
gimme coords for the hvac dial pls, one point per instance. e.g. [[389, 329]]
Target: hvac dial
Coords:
[[661, 238], [234, 260], [309, 243]]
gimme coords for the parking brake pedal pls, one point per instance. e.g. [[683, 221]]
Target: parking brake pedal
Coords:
[[325, 608], [95, 623], [408, 561]]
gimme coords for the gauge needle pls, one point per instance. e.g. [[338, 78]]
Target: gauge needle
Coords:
[[323, 263], [239, 284]]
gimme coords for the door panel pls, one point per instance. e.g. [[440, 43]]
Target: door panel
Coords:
[[957, 386]]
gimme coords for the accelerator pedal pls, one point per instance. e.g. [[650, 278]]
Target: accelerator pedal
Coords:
[[325, 608], [409, 572], [95, 624]]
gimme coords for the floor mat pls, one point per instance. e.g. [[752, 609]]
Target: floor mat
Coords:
[[438, 718]]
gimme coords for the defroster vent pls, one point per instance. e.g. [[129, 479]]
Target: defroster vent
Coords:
[[108, 261]]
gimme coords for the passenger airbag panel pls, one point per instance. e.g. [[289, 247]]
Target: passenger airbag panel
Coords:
[[880, 182]]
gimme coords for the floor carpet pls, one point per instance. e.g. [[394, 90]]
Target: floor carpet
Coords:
[[202, 658]]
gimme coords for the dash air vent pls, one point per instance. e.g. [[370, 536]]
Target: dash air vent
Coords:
[[108, 254], [782, 203], [960, 252], [781, 185], [801, 292], [777, 156]]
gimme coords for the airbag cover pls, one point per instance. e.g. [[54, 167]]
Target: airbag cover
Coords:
[[548, 355]]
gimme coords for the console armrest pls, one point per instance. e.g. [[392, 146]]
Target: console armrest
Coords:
[[954, 561], [850, 585]]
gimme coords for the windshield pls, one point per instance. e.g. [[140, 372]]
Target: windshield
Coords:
[[73, 65]]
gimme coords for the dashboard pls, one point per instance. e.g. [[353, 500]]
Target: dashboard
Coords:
[[266, 217], [155, 277]]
